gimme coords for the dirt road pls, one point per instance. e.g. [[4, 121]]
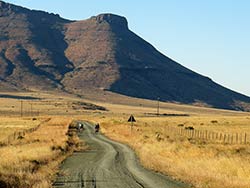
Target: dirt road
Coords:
[[108, 164]]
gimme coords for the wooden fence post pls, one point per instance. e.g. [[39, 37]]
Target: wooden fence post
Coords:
[[245, 138], [225, 137]]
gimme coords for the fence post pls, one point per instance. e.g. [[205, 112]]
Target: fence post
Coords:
[[245, 139], [225, 137]]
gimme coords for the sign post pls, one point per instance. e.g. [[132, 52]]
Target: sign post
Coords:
[[132, 120]]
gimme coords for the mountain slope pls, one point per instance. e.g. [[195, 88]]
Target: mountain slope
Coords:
[[31, 47], [42, 51]]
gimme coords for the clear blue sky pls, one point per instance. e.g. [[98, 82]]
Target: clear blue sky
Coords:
[[211, 37]]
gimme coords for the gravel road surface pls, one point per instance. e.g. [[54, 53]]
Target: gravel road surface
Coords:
[[108, 164]]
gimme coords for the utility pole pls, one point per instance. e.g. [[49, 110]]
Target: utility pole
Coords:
[[31, 109], [21, 108], [158, 106]]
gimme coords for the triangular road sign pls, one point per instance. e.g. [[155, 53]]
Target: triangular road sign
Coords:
[[131, 119]]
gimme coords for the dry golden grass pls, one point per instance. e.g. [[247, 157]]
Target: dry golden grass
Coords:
[[9, 125], [202, 163], [42, 104], [32, 160]]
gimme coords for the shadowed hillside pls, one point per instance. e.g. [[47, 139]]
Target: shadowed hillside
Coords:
[[42, 51]]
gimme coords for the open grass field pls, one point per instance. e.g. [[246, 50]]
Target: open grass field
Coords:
[[204, 163], [35, 138], [10, 125], [32, 160]]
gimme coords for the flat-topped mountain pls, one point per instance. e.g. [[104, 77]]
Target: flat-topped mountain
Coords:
[[42, 51]]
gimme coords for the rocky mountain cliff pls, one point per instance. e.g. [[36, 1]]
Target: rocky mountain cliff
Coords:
[[42, 51]]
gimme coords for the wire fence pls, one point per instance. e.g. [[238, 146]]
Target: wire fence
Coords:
[[211, 136], [20, 134]]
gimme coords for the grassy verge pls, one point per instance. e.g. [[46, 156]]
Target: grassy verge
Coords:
[[33, 160]]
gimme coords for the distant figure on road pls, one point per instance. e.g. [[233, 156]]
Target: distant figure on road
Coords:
[[80, 127], [97, 127]]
